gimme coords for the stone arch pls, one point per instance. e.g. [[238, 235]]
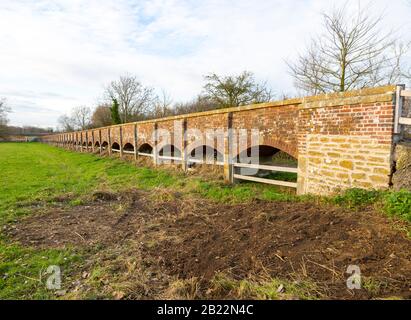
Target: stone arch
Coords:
[[291, 149], [97, 144], [170, 150], [104, 145], [128, 147], [115, 146], [262, 154], [266, 155], [205, 152], [145, 148]]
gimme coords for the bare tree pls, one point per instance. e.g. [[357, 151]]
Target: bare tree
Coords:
[[101, 116], [162, 106], [66, 123], [4, 109], [352, 53], [234, 91], [134, 99], [81, 117], [198, 104]]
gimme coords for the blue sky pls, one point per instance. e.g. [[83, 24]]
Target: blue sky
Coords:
[[55, 55]]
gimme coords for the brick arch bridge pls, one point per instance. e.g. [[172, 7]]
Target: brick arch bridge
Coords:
[[341, 140]]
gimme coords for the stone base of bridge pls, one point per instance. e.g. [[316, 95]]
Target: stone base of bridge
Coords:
[[338, 162]]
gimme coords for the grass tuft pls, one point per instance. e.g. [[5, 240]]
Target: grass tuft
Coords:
[[357, 198], [262, 288], [398, 204]]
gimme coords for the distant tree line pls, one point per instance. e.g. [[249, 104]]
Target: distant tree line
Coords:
[[6, 130], [27, 130], [4, 110]]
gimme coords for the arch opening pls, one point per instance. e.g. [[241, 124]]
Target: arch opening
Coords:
[[268, 156], [104, 145], [145, 148], [115, 146], [170, 151], [207, 154], [90, 144], [97, 144], [128, 147]]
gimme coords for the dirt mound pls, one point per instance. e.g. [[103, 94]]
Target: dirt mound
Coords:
[[104, 196], [195, 238], [287, 239]]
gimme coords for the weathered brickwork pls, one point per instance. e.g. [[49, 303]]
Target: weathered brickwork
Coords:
[[341, 140], [128, 134], [171, 139], [278, 127], [200, 132], [145, 134]]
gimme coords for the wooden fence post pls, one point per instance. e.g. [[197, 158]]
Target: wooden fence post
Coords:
[[92, 140], [135, 142], [109, 141], [99, 141], [184, 145], [87, 141], [228, 145], [121, 141], [155, 155]]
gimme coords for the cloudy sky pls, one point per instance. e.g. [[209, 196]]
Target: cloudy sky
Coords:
[[55, 55]]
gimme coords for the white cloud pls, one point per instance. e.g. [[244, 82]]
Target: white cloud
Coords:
[[55, 55]]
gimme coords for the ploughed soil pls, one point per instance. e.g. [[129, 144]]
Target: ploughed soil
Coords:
[[179, 238]]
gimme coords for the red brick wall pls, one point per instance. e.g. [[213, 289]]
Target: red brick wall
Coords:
[[145, 134], [278, 126]]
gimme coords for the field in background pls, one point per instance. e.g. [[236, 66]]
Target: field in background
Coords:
[[121, 231]]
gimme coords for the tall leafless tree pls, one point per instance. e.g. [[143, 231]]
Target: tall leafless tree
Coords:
[[65, 123], [101, 116], [162, 106], [4, 110], [234, 91], [352, 53], [135, 100], [81, 117]]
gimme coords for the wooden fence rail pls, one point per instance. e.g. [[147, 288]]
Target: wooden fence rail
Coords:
[[264, 180]]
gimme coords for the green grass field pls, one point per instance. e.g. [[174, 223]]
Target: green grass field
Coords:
[[36, 174], [33, 173]]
